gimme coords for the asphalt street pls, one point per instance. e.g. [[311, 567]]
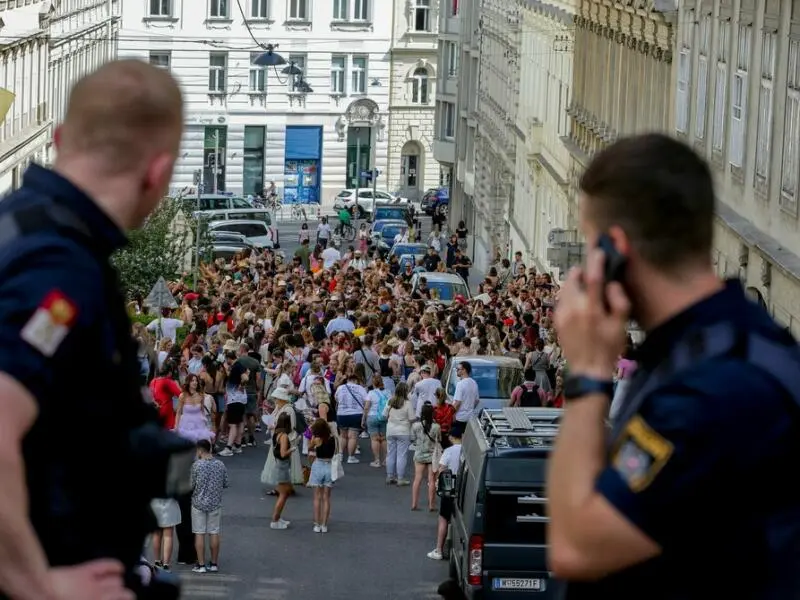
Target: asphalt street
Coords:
[[375, 547]]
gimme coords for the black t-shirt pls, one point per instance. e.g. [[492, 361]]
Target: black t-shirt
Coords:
[[327, 448]]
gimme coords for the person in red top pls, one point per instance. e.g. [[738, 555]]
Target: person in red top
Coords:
[[443, 414], [164, 388]]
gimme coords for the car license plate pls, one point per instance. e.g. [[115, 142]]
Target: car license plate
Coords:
[[505, 583]]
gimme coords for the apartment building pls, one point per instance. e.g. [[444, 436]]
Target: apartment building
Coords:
[[622, 84], [412, 103], [313, 124], [449, 51], [541, 205], [738, 103]]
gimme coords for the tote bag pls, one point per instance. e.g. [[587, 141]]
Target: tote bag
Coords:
[[337, 466]]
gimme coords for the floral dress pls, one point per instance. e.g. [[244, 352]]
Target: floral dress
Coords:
[[424, 443]]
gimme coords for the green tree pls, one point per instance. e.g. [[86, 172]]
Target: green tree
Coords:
[[158, 249]]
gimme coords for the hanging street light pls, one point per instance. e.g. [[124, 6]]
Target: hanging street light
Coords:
[[269, 58]]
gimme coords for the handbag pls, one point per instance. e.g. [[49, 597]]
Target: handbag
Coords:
[[436, 454], [337, 466]]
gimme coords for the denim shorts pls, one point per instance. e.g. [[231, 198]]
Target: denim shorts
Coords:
[[348, 422], [320, 474], [376, 426]]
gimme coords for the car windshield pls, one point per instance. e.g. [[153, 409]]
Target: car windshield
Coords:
[[384, 212], [446, 290], [390, 231], [401, 249], [240, 203], [410, 259], [344, 194], [246, 229], [494, 381]]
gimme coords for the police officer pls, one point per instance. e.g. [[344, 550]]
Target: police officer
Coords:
[[692, 493], [72, 519]]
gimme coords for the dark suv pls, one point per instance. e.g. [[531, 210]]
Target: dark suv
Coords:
[[497, 536]]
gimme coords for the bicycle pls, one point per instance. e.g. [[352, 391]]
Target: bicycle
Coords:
[[274, 202], [347, 231]]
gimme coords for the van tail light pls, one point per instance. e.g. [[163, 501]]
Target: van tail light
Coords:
[[475, 560]]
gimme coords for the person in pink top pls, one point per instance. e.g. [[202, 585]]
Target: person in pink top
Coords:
[[626, 367]]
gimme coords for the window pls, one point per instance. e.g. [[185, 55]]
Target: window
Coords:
[[337, 74], [790, 171], [340, 12], [453, 8], [258, 75], [422, 15], [419, 86], [448, 120], [682, 94], [253, 176], [298, 10], [218, 9], [361, 10], [739, 96], [359, 75], [720, 88], [161, 58], [451, 52], [217, 72], [702, 78], [160, 8], [765, 106], [259, 9], [298, 61]]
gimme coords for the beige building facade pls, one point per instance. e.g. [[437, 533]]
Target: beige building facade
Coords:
[[541, 201], [738, 103], [622, 85]]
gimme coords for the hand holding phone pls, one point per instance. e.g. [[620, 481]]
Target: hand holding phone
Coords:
[[615, 263]]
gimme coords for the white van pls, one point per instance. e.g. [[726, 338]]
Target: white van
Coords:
[[245, 214], [257, 233]]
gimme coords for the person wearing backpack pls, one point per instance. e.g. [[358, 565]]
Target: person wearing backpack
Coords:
[[528, 393], [375, 421]]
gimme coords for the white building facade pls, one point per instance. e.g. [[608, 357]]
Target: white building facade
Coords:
[[24, 52], [541, 195], [450, 52], [412, 102], [737, 102], [312, 125]]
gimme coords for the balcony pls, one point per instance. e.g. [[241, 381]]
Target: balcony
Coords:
[[444, 151]]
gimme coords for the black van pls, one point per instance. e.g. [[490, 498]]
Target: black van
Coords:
[[497, 536]]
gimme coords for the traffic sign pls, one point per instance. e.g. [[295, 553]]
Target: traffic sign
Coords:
[[160, 296]]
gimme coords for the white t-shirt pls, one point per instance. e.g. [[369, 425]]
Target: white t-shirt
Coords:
[[350, 399], [424, 391], [324, 231], [375, 400], [169, 327], [451, 458], [466, 393], [330, 256]]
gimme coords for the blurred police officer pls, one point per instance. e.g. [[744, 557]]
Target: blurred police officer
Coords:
[[70, 514], [693, 495]]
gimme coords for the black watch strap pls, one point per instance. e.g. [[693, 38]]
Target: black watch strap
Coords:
[[579, 386]]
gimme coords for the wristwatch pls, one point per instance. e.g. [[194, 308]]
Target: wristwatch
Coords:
[[579, 386]]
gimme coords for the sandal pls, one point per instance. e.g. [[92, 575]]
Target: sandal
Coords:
[[271, 493]]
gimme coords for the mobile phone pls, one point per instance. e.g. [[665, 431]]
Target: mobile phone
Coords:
[[615, 262]]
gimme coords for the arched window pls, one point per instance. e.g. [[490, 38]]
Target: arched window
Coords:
[[419, 86]]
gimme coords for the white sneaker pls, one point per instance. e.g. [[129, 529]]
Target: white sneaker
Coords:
[[285, 522], [353, 460], [323, 529], [364, 435], [278, 525], [435, 555], [225, 452], [238, 450], [358, 451], [198, 569], [317, 528], [375, 463]]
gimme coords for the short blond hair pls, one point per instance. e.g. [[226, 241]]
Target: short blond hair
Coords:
[[121, 112]]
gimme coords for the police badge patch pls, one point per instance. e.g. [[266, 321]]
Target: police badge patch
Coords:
[[640, 453]]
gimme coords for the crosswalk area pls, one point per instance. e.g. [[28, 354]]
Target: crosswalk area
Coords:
[[222, 586]]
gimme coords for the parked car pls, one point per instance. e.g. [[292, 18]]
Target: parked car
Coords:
[[496, 376], [410, 259], [436, 201], [445, 286], [347, 199], [392, 210], [222, 237], [214, 202], [418, 250], [224, 249], [256, 232], [243, 214]]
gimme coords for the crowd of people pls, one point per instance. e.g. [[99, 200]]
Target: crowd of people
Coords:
[[320, 358]]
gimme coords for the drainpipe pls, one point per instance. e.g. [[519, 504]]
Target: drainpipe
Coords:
[[391, 90]]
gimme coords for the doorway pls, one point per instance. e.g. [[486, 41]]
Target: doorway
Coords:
[[411, 171], [359, 151]]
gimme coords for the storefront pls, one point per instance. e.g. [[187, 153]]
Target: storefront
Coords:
[[302, 164]]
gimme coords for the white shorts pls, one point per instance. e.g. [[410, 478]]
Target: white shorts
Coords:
[[206, 522]]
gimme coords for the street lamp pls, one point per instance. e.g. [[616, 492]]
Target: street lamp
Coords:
[[269, 58]]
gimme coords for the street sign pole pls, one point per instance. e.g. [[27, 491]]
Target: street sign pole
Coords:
[[374, 187], [216, 159], [197, 178]]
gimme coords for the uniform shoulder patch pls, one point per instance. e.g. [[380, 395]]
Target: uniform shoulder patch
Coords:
[[50, 323], [640, 453]]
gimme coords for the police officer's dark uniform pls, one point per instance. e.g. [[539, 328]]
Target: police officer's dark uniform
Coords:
[[66, 338], [726, 526]]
